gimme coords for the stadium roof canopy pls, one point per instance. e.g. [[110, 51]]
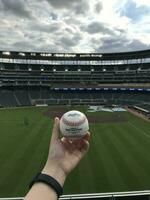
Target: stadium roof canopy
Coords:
[[75, 56]]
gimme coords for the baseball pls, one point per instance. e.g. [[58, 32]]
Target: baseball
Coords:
[[74, 124]]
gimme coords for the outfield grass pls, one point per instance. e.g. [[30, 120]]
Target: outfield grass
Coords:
[[118, 158]]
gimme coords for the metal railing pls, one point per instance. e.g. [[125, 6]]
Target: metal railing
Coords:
[[140, 195]]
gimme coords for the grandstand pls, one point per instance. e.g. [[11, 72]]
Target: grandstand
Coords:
[[27, 77], [36, 78]]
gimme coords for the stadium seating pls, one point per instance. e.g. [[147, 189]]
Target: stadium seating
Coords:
[[45, 94], [7, 99], [33, 77], [23, 97], [35, 94], [70, 96]]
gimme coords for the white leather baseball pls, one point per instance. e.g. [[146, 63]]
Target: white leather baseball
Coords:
[[74, 124]]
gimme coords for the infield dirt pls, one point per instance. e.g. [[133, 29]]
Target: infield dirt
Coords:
[[114, 118]]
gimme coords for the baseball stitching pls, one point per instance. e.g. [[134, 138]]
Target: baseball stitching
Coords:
[[78, 123]]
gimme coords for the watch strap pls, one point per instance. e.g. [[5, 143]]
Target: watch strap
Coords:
[[53, 183]]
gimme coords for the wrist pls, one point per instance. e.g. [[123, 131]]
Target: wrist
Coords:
[[56, 172]]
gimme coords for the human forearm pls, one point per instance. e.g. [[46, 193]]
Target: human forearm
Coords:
[[43, 191], [56, 172], [62, 158]]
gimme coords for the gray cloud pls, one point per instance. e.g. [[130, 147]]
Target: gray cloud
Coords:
[[53, 16], [26, 44], [137, 45], [49, 47], [134, 12], [38, 44], [63, 26], [98, 7], [63, 3], [42, 27], [97, 27], [82, 7], [120, 44], [18, 8], [69, 42], [115, 44]]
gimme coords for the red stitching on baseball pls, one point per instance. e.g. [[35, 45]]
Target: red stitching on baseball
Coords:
[[78, 123]]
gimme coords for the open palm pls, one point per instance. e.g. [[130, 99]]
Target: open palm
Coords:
[[64, 152]]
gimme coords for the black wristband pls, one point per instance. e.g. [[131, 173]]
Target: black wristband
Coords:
[[49, 181]]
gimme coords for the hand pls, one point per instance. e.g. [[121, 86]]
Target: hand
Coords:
[[64, 154]]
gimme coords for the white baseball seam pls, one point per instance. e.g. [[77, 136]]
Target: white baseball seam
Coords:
[[69, 123]]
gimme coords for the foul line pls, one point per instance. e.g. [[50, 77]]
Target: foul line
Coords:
[[143, 132]]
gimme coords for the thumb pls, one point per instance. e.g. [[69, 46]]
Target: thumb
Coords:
[[55, 131]]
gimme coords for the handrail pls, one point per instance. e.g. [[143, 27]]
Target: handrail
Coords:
[[95, 195]]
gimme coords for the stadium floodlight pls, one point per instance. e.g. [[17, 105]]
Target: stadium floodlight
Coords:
[[59, 55], [33, 54], [21, 54], [46, 54], [97, 55], [69, 55], [7, 53]]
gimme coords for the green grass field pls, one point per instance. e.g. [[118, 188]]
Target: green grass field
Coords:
[[118, 158]]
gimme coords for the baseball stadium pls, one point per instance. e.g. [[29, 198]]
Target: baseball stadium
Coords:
[[112, 89]]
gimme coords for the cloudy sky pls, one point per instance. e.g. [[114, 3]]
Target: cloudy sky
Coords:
[[75, 25]]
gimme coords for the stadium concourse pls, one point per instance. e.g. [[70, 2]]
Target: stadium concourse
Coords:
[[52, 79]]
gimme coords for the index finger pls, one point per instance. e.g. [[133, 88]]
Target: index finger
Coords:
[[55, 131]]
